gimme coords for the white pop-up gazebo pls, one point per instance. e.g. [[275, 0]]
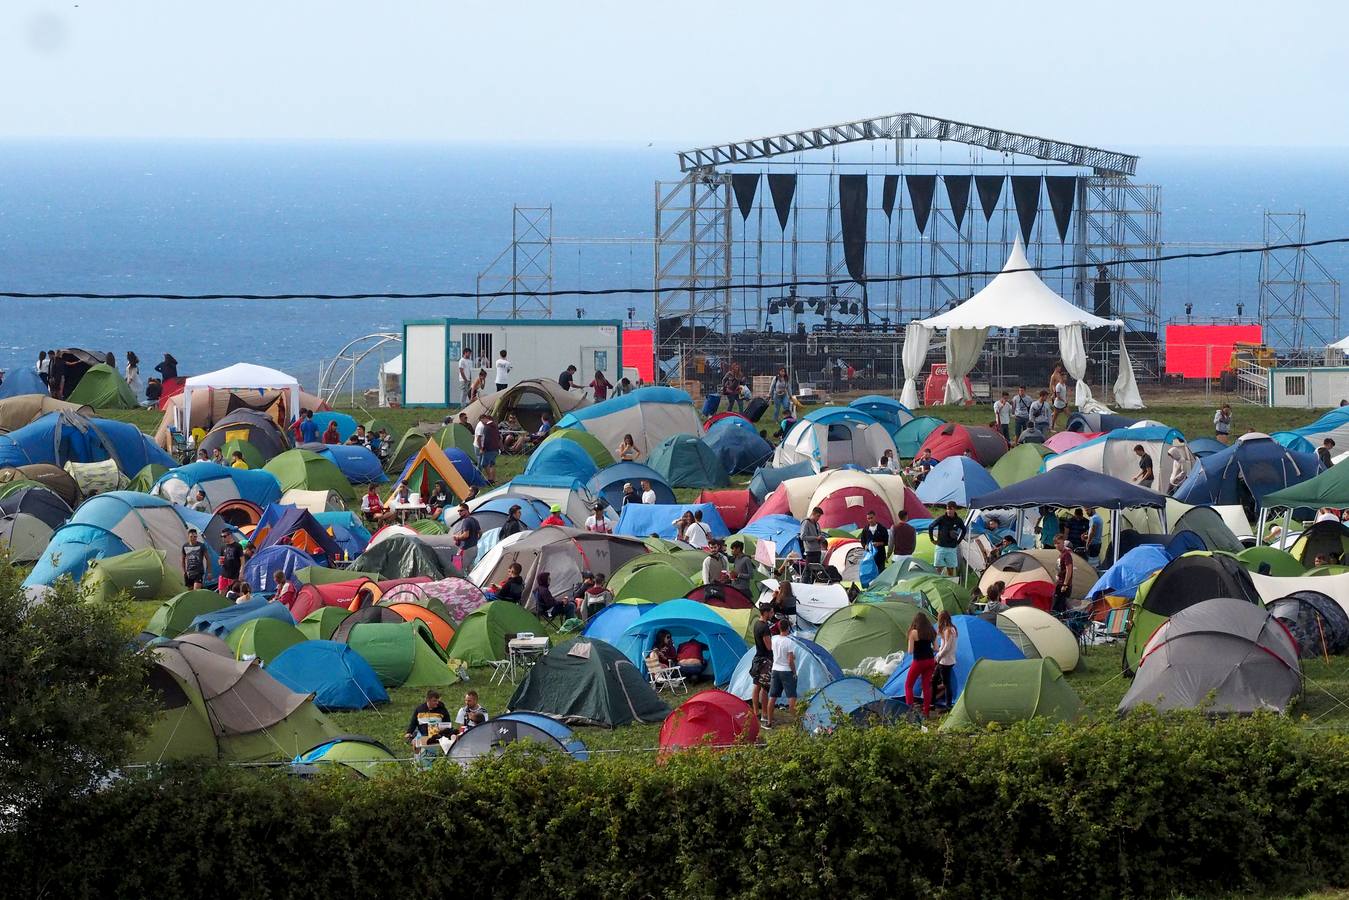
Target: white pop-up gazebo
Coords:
[[1015, 298], [242, 377]]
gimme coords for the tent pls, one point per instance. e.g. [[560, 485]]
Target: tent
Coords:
[[320, 624], [737, 444], [144, 480], [1097, 423], [767, 479], [1015, 298], [314, 501], [609, 623], [1333, 424], [176, 614], [562, 456], [59, 438], [1317, 623], [1247, 472], [451, 598], [1269, 561], [1006, 691], [649, 414], [263, 639], [455, 436], [77, 362], [210, 407], [599, 455], [98, 477], [221, 483], [815, 668], [911, 435], [348, 532], [1037, 565], [845, 495], [1130, 572], [934, 593], [1329, 539], [406, 447], [955, 478], [608, 483], [311, 472], [492, 512], [20, 382], [1019, 463], [1184, 582], [44, 475], [402, 556], [34, 500], [562, 552], [337, 676], [1221, 656], [1202, 447], [654, 581], [247, 428], [355, 752], [886, 410], [102, 387], [441, 628], [734, 506], [977, 442], [1207, 523], [428, 467], [357, 464], [709, 719], [834, 436], [142, 574], [491, 738], [214, 706], [572, 744], [220, 622], [259, 569], [784, 531], [1294, 441], [1038, 634], [583, 681], [243, 379], [686, 620], [1329, 488], [295, 526], [481, 637], [978, 640], [682, 460], [22, 408], [23, 537], [527, 400], [346, 424], [403, 654], [1113, 454], [863, 630], [569, 493], [849, 699], [642, 519]]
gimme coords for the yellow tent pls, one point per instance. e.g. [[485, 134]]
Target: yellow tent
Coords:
[[426, 468]]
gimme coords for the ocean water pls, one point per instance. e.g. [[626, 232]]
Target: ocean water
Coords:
[[198, 217]]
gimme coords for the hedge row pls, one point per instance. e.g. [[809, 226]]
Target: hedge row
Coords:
[[1138, 808]]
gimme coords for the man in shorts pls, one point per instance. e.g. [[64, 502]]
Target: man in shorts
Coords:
[[194, 561], [231, 563], [782, 677], [946, 532], [761, 667], [487, 443]]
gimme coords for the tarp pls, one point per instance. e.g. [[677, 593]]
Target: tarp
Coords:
[[956, 478], [642, 519], [1131, 570], [584, 681], [1004, 692], [220, 622], [337, 676], [784, 531]]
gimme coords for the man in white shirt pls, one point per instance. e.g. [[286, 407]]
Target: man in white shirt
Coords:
[[648, 493], [503, 367], [1002, 414], [782, 679], [465, 376], [597, 522], [697, 534]]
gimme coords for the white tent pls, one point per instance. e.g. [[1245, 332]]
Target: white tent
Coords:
[[242, 377], [1342, 344], [1015, 298]]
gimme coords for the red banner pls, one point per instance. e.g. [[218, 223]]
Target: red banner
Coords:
[[639, 352]]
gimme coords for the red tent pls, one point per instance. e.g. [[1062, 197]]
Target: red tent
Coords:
[[725, 596], [976, 441], [1039, 594], [172, 388], [847, 507], [712, 718], [313, 596], [735, 507]]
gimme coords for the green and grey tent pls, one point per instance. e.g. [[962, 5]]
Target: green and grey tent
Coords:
[[263, 638], [143, 574], [654, 582], [23, 537], [860, 630], [481, 637], [685, 461], [1021, 462], [176, 614], [402, 654], [103, 388], [1271, 561], [1004, 691], [320, 624], [310, 472], [588, 682], [145, 479]]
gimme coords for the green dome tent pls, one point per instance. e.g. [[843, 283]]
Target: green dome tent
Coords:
[[860, 630], [252, 455], [176, 614], [401, 556], [143, 574], [320, 624], [356, 753], [1281, 563], [1021, 462], [1004, 691], [402, 654], [588, 682], [938, 592], [655, 582], [145, 479], [23, 537], [405, 448], [310, 472], [324, 575], [263, 638], [103, 388], [481, 637], [686, 462], [597, 452], [456, 436]]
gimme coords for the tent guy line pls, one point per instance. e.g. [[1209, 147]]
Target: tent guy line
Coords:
[[692, 289]]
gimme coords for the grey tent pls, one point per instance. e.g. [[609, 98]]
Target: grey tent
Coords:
[[39, 502], [23, 537], [1222, 656], [588, 682], [1210, 527], [1317, 623]]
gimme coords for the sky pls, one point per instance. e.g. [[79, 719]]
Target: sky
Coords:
[[1143, 74]]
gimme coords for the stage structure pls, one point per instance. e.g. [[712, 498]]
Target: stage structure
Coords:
[[851, 205], [1299, 298]]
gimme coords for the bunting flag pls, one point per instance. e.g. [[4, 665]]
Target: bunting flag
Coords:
[[921, 189], [990, 192], [1062, 191], [745, 187], [958, 192], [783, 189], [852, 211], [1026, 196], [888, 194]]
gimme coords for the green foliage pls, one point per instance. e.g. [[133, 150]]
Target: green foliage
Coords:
[[1143, 807], [73, 701]]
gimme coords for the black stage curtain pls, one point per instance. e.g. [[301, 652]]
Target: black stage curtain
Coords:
[[888, 193], [958, 192], [745, 187], [1026, 196], [852, 211], [783, 189], [990, 191], [921, 190], [1062, 191]]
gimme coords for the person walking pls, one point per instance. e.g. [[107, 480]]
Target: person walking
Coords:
[[944, 676], [466, 538], [730, 387], [878, 536], [487, 444], [1222, 424], [133, 372], [922, 662], [600, 385], [946, 532], [761, 667], [1058, 388], [780, 393], [1021, 409], [782, 672], [503, 371], [1040, 413]]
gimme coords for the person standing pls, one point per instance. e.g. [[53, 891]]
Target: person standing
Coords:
[[513, 524], [168, 368], [714, 566], [878, 536], [1063, 579], [487, 444], [780, 393], [56, 375], [761, 667], [1095, 533], [922, 662], [944, 676], [627, 450], [1002, 414], [903, 536], [873, 556], [466, 538], [600, 385], [465, 369], [503, 371], [696, 534], [742, 569], [629, 495], [194, 561], [1222, 423], [566, 379], [1058, 386], [1021, 409], [231, 562], [309, 430], [782, 671], [730, 388], [946, 532], [596, 522], [133, 373], [1323, 453], [812, 538], [1050, 526], [43, 367], [1040, 413], [1077, 529]]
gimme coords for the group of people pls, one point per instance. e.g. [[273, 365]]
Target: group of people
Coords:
[[51, 371], [432, 726]]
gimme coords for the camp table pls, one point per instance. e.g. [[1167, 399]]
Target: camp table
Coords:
[[523, 652]]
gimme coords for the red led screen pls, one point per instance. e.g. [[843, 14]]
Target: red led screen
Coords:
[[639, 352], [1203, 351]]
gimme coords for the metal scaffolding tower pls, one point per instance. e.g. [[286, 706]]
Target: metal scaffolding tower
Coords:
[[507, 287], [1299, 299]]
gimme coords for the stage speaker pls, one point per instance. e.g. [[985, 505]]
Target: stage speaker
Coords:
[[1101, 298]]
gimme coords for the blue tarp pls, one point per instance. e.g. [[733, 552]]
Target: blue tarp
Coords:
[[766, 480], [257, 486], [736, 442], [608, 483], [289, 560], [561, 457], [643, 519], [956, 478], [70, 551], [609, 623], [1261, 464], [686, 619], [20, 381], [815, 667], [221, 622], [356, 463], [61, 437], [1135, 567], [783, 531], [1069, 485], [978, 640], [337, 676]]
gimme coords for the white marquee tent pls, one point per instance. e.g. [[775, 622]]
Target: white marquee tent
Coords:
[[1015, 298], [242, 377]]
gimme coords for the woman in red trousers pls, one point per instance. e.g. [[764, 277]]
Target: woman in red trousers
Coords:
[[921, 661]]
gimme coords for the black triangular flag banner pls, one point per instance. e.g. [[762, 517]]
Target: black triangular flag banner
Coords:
[[1026, 196], [888, 194], [1062, 191], [990, 191], [783, 189], [921, 189], [745, 187], [852, 213], [958, 192]]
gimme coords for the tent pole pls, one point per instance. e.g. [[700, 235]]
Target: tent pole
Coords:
[[1114, 534], [1260, 525]]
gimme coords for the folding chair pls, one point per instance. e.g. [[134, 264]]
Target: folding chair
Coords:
[[665, 677], [501, 671], [1114, 628]]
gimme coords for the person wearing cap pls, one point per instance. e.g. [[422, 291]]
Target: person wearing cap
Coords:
[[597, 522], [629, 495], [554, 517], [194, 561]]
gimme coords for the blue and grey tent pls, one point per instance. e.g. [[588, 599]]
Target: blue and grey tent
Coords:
[[564, 735], [1254, 466], [649, 414], [782, 530], [1094, 423], [348, 532], [357, 464], [767, 479], [278, 557], [21, 381], [956, 478], [645, 519], [978, 640], [220, 483], [685, 620], [62, 437], [737, 444], [221, 622], [609, 623], [561, 457], [850, 699], [337, 676], [1203, 446], [886, 410], [608, 483], [815, 667]]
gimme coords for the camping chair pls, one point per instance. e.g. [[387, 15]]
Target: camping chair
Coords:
[[179, 447], [665, 677], [501, 671], [1114, 628], [1079, 622]]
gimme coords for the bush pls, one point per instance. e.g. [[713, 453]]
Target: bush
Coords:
[[1143, 807]]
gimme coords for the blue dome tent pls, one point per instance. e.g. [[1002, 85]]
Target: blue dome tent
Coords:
[[686, 619], [221, 483], [61, 437], [337, 676], [955, 478], [737, 444], [815, 667], [978, 640], [608, 483]]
